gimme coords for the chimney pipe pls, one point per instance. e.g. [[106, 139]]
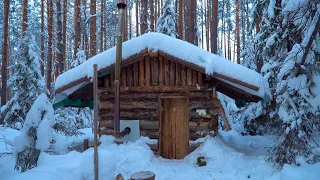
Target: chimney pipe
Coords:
[[121, 6]]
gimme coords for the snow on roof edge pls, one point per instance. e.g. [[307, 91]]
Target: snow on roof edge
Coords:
[[175, 47]]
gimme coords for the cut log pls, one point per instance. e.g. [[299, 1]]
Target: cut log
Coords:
[[194, 77], [136, 74], [129, 75], [178, 75], [172, 72], [166, 72], [129, 105], [154, 89], [154, 125], [161, 71], [143, 175], [200, 78], [123, 77], [141, 72], [183, 76], [189, 77], [154, 71], [193, 96], [147, 73]]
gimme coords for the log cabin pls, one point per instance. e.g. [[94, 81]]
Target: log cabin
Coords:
[[167, 84]]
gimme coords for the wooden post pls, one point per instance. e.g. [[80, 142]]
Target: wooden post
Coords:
[[95, 123], [85, 144], [215, 111], [224, 117]]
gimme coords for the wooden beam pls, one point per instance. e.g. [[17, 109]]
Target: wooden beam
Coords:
[[129, 105], [189, 77], [154, 71], [166, 72], [153, 89], [236, 81], [224, 117], [136, 74], [154, 125], [161, 71], [172, 73], [182, 62], [141, 73], [147, 70]]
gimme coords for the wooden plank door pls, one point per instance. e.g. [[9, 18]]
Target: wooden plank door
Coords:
[[173, 127]]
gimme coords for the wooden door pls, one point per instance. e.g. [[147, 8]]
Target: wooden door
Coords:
[[173, 127]]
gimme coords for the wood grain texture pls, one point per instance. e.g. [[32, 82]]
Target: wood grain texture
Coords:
[[147, 71]]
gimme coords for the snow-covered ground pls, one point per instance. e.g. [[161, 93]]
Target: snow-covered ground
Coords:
[[229, 156]]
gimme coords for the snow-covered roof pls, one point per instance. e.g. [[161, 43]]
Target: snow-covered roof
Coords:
[[212, 63]]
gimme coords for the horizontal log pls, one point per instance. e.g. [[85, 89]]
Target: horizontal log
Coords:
[[129, 105], [153, 89], [199, 96], [138, 114], [155, 135], [150, 134], [154, 125], [236, 81], [144, 124], [152, 115]]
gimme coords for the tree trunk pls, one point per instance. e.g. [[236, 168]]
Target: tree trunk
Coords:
[[24, 16], [5, 54], [222, 29], [64, 35], [143, 17], [50, 32], [77, 27], [238, 31], [42, 37], [59, 60], [180, 27], [207, 19], [214, 27], [130, 21], [137, 18], [152, 16], [93, 41], [125, 28], [202, 24], [85, 34], [243, 28], [105, 26], [258, 23], [101, 25]]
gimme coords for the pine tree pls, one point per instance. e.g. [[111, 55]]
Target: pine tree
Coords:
[[166, 24], [26, 81], [36, 135]]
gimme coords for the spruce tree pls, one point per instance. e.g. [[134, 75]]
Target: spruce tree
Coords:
[[288, 42], [26, 82], [36, 135], [166, 23]]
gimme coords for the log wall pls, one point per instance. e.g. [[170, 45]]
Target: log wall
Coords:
[[142, 82]]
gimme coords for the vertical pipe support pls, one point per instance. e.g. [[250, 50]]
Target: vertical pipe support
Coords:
[[121, 7]]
